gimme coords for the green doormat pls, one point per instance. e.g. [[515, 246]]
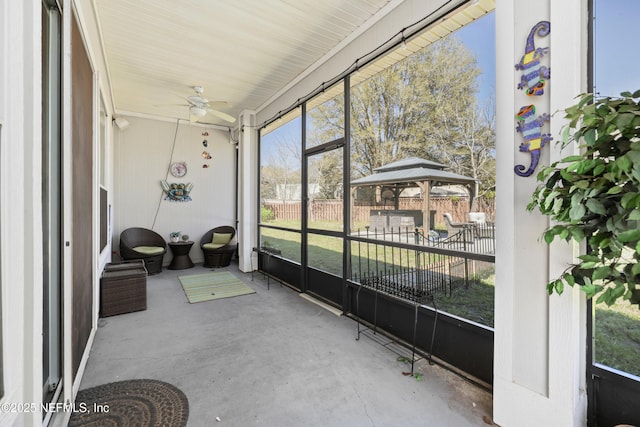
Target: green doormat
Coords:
[[209, 286]]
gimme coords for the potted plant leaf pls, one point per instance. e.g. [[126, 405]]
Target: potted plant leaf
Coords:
[[595, 197]]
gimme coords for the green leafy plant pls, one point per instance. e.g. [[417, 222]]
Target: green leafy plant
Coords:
[[267, 214], [595, 196]]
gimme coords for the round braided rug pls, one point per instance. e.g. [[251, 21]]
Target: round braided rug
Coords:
[[140, 403]]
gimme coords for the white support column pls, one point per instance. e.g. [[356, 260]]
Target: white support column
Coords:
[[567, 314], [248, 191], [540, 346]]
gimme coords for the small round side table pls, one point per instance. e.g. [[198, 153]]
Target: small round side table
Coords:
[[181, 259]]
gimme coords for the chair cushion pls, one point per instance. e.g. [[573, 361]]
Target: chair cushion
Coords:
[[213, 245], [149, 250], [221, 238], [477, 217]]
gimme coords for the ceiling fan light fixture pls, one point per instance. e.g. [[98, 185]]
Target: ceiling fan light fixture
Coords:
[[198, 112], [197, 99]]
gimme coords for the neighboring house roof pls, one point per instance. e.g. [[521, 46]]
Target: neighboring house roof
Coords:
[[413, 169]]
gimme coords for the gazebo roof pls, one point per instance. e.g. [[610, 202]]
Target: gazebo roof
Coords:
[[408, 163], [412, 169]]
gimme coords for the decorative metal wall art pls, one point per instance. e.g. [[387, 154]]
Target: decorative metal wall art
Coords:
[[177, 191], [533, 79], [534, 73], [530, 127]]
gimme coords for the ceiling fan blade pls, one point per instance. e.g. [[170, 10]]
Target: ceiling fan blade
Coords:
[[223, 116], [172, 105], [217, 104]]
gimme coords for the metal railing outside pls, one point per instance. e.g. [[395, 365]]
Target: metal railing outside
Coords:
[[406, 263], [417, 269]]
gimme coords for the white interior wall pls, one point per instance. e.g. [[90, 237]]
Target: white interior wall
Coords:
[[142, 155]]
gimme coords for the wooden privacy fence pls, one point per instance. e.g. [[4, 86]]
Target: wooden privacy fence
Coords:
[[331, 209]]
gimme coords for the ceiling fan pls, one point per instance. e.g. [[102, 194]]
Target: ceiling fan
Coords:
[[200, 107]]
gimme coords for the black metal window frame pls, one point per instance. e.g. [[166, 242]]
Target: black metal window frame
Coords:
[[452, 353]]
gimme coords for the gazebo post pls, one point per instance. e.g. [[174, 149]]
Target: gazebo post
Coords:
[[396, 197], [425, 187], [353, 206], [473, 194]]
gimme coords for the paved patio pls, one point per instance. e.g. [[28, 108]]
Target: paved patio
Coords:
[[274, 359]]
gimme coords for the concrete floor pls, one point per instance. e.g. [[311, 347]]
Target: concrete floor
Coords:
[[274, 359]]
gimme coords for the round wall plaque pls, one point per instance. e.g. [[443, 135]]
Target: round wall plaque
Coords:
[[178, 169]]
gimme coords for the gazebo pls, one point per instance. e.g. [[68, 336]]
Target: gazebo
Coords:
[[415, 172]]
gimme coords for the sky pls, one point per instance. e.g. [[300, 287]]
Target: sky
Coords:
[[480, 38], [616, 57]]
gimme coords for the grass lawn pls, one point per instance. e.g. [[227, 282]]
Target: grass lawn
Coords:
[[475, 302], [617, 336]]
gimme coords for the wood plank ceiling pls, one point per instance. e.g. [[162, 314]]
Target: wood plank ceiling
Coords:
[[242, 52]]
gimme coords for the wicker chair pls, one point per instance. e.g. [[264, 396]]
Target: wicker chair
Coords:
[[144, 244], [218, 250]]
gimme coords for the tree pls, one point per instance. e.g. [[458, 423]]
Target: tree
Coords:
[[279, 173], [467, 145], [326, 170], [422, 106]]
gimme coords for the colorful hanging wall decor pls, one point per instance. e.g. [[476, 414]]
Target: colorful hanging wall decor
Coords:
[[530, 127], [534, 73], [534, 78], [176, 192], [206, 156]]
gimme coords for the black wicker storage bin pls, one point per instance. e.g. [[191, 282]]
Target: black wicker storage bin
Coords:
[[125, 265], [123, 288]]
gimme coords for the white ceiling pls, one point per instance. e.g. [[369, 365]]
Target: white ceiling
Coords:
[[240, 51]]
